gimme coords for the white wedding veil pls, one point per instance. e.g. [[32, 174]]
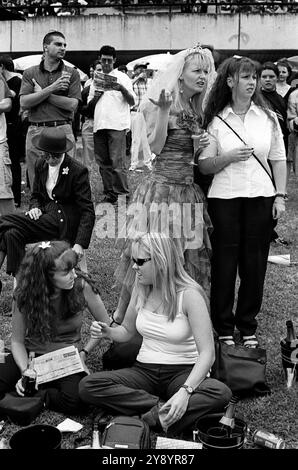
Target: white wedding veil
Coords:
[[168, 80]]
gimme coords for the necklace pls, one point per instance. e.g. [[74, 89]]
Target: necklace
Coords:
[[153, 309]]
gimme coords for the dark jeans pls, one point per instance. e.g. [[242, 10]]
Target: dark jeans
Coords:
[[240, 241], [61, 395], [110, 154], [137, 389]]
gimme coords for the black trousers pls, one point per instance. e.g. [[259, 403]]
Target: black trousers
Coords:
[[16, 146], [137, 389], [240, 242], [16, 230], [62, 395]]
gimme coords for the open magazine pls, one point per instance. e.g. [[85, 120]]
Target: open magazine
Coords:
[[103, 81], [57, 364]]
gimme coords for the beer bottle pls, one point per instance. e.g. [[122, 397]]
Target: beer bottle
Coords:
[[291, 336], [227, 421], [289, 350], [29, 377]]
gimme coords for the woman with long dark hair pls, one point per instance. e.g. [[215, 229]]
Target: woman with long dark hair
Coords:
[[48, 315], [245, 194]]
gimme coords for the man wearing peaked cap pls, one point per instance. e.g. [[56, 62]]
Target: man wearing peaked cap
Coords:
[[60, 206]]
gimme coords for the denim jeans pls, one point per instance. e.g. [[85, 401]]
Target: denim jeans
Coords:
[[110, 155]]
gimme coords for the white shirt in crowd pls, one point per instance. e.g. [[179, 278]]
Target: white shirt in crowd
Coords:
[[53, 173], [112, 111], [244, 178], [2, 128], [3, 94], [282, 89]]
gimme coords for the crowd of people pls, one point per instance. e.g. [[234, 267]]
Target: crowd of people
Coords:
[[218, 146], [33, 8]]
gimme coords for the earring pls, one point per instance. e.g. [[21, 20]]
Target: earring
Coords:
[[180, 87]]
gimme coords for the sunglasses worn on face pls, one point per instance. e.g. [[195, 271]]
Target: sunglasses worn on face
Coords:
[[140, 261]]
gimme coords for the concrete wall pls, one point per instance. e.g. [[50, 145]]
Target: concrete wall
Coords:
[[152, 31]]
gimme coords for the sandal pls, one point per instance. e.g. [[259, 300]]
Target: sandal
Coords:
[[250, 341], [228, 340]]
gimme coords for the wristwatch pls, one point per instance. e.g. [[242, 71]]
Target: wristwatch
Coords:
[[189, 389]]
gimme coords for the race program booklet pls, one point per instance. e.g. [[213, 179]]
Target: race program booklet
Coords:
[[103, 81], [57, 364]]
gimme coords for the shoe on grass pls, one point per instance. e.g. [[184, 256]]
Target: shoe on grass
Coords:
[[281, 241]]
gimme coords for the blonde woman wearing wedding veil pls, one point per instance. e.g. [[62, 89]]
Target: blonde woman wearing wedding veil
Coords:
[[168, 201]]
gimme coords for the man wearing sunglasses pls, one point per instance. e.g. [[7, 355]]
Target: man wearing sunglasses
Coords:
[[51, 92], [60, 207], [111, 104]]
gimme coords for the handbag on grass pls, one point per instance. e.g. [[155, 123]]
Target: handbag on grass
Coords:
[[242, 369], [21, 410], [126, 432]]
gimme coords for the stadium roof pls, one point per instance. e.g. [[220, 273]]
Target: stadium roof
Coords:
[[10, 15]]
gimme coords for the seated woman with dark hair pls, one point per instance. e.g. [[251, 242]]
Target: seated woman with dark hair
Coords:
[[169, 383], [48, 315]]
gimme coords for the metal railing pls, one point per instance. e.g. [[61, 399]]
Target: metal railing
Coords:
[[73, 8]]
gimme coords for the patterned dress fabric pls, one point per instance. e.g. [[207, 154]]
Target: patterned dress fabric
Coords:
[[168, 201]]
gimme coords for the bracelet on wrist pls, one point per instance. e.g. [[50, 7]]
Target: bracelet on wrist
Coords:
[[281, 195], [85, 351]]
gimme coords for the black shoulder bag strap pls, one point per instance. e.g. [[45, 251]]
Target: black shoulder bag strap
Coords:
[[259, 161]]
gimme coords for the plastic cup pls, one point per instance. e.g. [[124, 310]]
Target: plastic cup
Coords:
[[196, 139], [66, 76], [162, 415]]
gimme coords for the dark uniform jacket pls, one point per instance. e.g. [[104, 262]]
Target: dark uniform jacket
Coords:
[[71, 199]]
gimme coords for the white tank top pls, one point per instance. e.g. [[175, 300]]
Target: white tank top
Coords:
[[165, 341]]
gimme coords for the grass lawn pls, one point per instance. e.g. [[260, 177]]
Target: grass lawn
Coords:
[[277, 412]]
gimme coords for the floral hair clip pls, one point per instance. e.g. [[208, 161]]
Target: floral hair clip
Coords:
[[44, 245]]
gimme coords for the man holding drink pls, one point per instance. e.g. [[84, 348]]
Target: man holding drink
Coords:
[[51, 92]]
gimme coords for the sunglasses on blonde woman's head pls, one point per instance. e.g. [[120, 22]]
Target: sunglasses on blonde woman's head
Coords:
[[140, 261]]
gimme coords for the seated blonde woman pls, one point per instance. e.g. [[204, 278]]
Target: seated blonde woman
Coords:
[[169, 383]]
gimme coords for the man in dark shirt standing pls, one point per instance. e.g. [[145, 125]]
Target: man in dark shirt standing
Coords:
[[51, 91]]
